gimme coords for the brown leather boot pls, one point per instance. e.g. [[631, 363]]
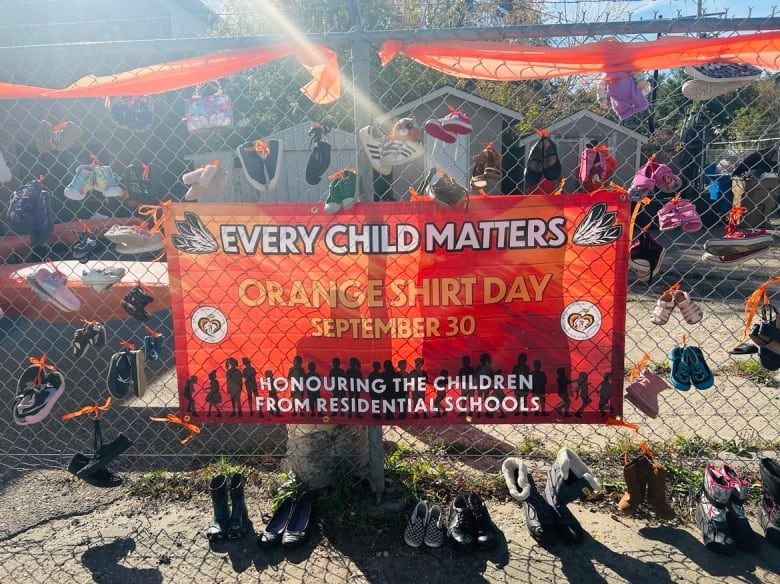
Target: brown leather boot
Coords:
[[636, 474], [656, 492]]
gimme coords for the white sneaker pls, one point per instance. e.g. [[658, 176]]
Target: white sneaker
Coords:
[[103, 276], [141, 241]]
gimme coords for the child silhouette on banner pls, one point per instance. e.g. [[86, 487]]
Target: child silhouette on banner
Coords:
[[214, 396]]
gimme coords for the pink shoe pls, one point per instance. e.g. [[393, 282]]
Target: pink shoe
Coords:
[[435, 128], [691, 221], [643, 392], [669, 217], [456, 122], [692, 312], [663, 309]]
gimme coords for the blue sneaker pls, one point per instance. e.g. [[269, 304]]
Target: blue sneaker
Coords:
[[152, 346], [83, 182], [680, 375]]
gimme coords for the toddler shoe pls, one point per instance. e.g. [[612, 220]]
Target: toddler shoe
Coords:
[[83, 182], [106, 183]]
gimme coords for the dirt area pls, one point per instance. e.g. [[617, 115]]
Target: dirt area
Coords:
[[55, 528]]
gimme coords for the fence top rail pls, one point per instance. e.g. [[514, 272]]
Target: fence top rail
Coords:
[[687, 25]]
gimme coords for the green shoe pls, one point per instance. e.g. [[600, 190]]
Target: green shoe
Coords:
[[341, 193]]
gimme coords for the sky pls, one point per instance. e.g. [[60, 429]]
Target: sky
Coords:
[[673, 8]]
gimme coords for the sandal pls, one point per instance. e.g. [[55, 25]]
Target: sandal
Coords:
[[691, 221], [692, 312], [700, 373], [680, 374], [663, 309], [669, 217]]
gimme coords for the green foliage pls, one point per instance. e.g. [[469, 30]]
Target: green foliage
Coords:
[[284, 485], [410, 472], [159, 484], [752, 370]]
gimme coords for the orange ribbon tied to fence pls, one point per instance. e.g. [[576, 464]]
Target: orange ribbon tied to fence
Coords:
[[261, 147], [751, 303], [156, 213], [42, 366], [635, 427], [638, 367], [174, 419], [94, 409]]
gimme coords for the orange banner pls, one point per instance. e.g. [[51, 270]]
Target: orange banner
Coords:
[[505, 61], [512, 312]]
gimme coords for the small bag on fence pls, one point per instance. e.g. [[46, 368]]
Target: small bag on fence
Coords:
[[134, 113], [208, 112], [30, 212]]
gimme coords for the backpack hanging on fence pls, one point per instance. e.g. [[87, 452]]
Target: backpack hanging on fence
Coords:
[[596, 167], [134, 113], [30, 213], [208, 112]]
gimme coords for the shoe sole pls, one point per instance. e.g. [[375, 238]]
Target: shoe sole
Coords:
[[140, 383], [740, 258], [715, 546], [725, 247], [48, 298]]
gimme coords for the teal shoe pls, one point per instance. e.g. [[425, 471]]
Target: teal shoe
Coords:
[[680, 375], [700, 374]]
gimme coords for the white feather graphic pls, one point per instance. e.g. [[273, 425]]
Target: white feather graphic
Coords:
[[597, 228], [193, 236]]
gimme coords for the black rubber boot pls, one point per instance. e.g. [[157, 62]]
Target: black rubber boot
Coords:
[[769, 511], [239, 523], [568, 479], [219, 499], [540, 518]]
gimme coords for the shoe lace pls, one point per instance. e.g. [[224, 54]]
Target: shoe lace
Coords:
[[43, 366], [735, 214]]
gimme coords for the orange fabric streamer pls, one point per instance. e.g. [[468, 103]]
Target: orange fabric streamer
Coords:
[[94, 409], [321, 62], [174, 419], [503, 61]]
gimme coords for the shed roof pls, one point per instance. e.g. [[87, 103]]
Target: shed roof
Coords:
[[594, 117], [450, 93]]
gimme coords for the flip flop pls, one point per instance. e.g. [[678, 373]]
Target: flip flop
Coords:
[[744, 349]]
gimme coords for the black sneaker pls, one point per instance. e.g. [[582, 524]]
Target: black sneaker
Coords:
[[97, 334], [79, 343], [485, 533], [84, 247], [460, 525], [120, 381], [37, 391], [135, 302]]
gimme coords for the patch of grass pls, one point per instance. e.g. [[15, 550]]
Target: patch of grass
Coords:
[[159, 484], [408, 471], [694, 446], [750, 369], [531, 445]]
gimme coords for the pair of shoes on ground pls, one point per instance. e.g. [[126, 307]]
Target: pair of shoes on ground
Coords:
[[688, 367], [679, 214], [643, 392], [737, 245], [231, 518], [425, 526], [342, 192], [386, 152], [135, 302], [646, 257], [210, 178], [38, 389], [52, 287], [262, 163], [547, 516], [543, 161], [651, 176], [720, 513], [447, 129], [469, 525], [645, 482], [58, 137], [134, 239], [769, 509], [487, 167], [442, 188], [676, 298], [92, 334], [126, 376], [102, 278], [291, 523], [93, 177]]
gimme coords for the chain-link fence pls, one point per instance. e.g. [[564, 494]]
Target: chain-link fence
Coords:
[[154, 135]]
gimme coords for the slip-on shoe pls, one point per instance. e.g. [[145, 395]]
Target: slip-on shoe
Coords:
[[300, 522], [272, 534]]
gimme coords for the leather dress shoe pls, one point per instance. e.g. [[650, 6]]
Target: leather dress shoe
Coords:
[[460, 525], [272, 534], [300, 522], [485, 533]]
